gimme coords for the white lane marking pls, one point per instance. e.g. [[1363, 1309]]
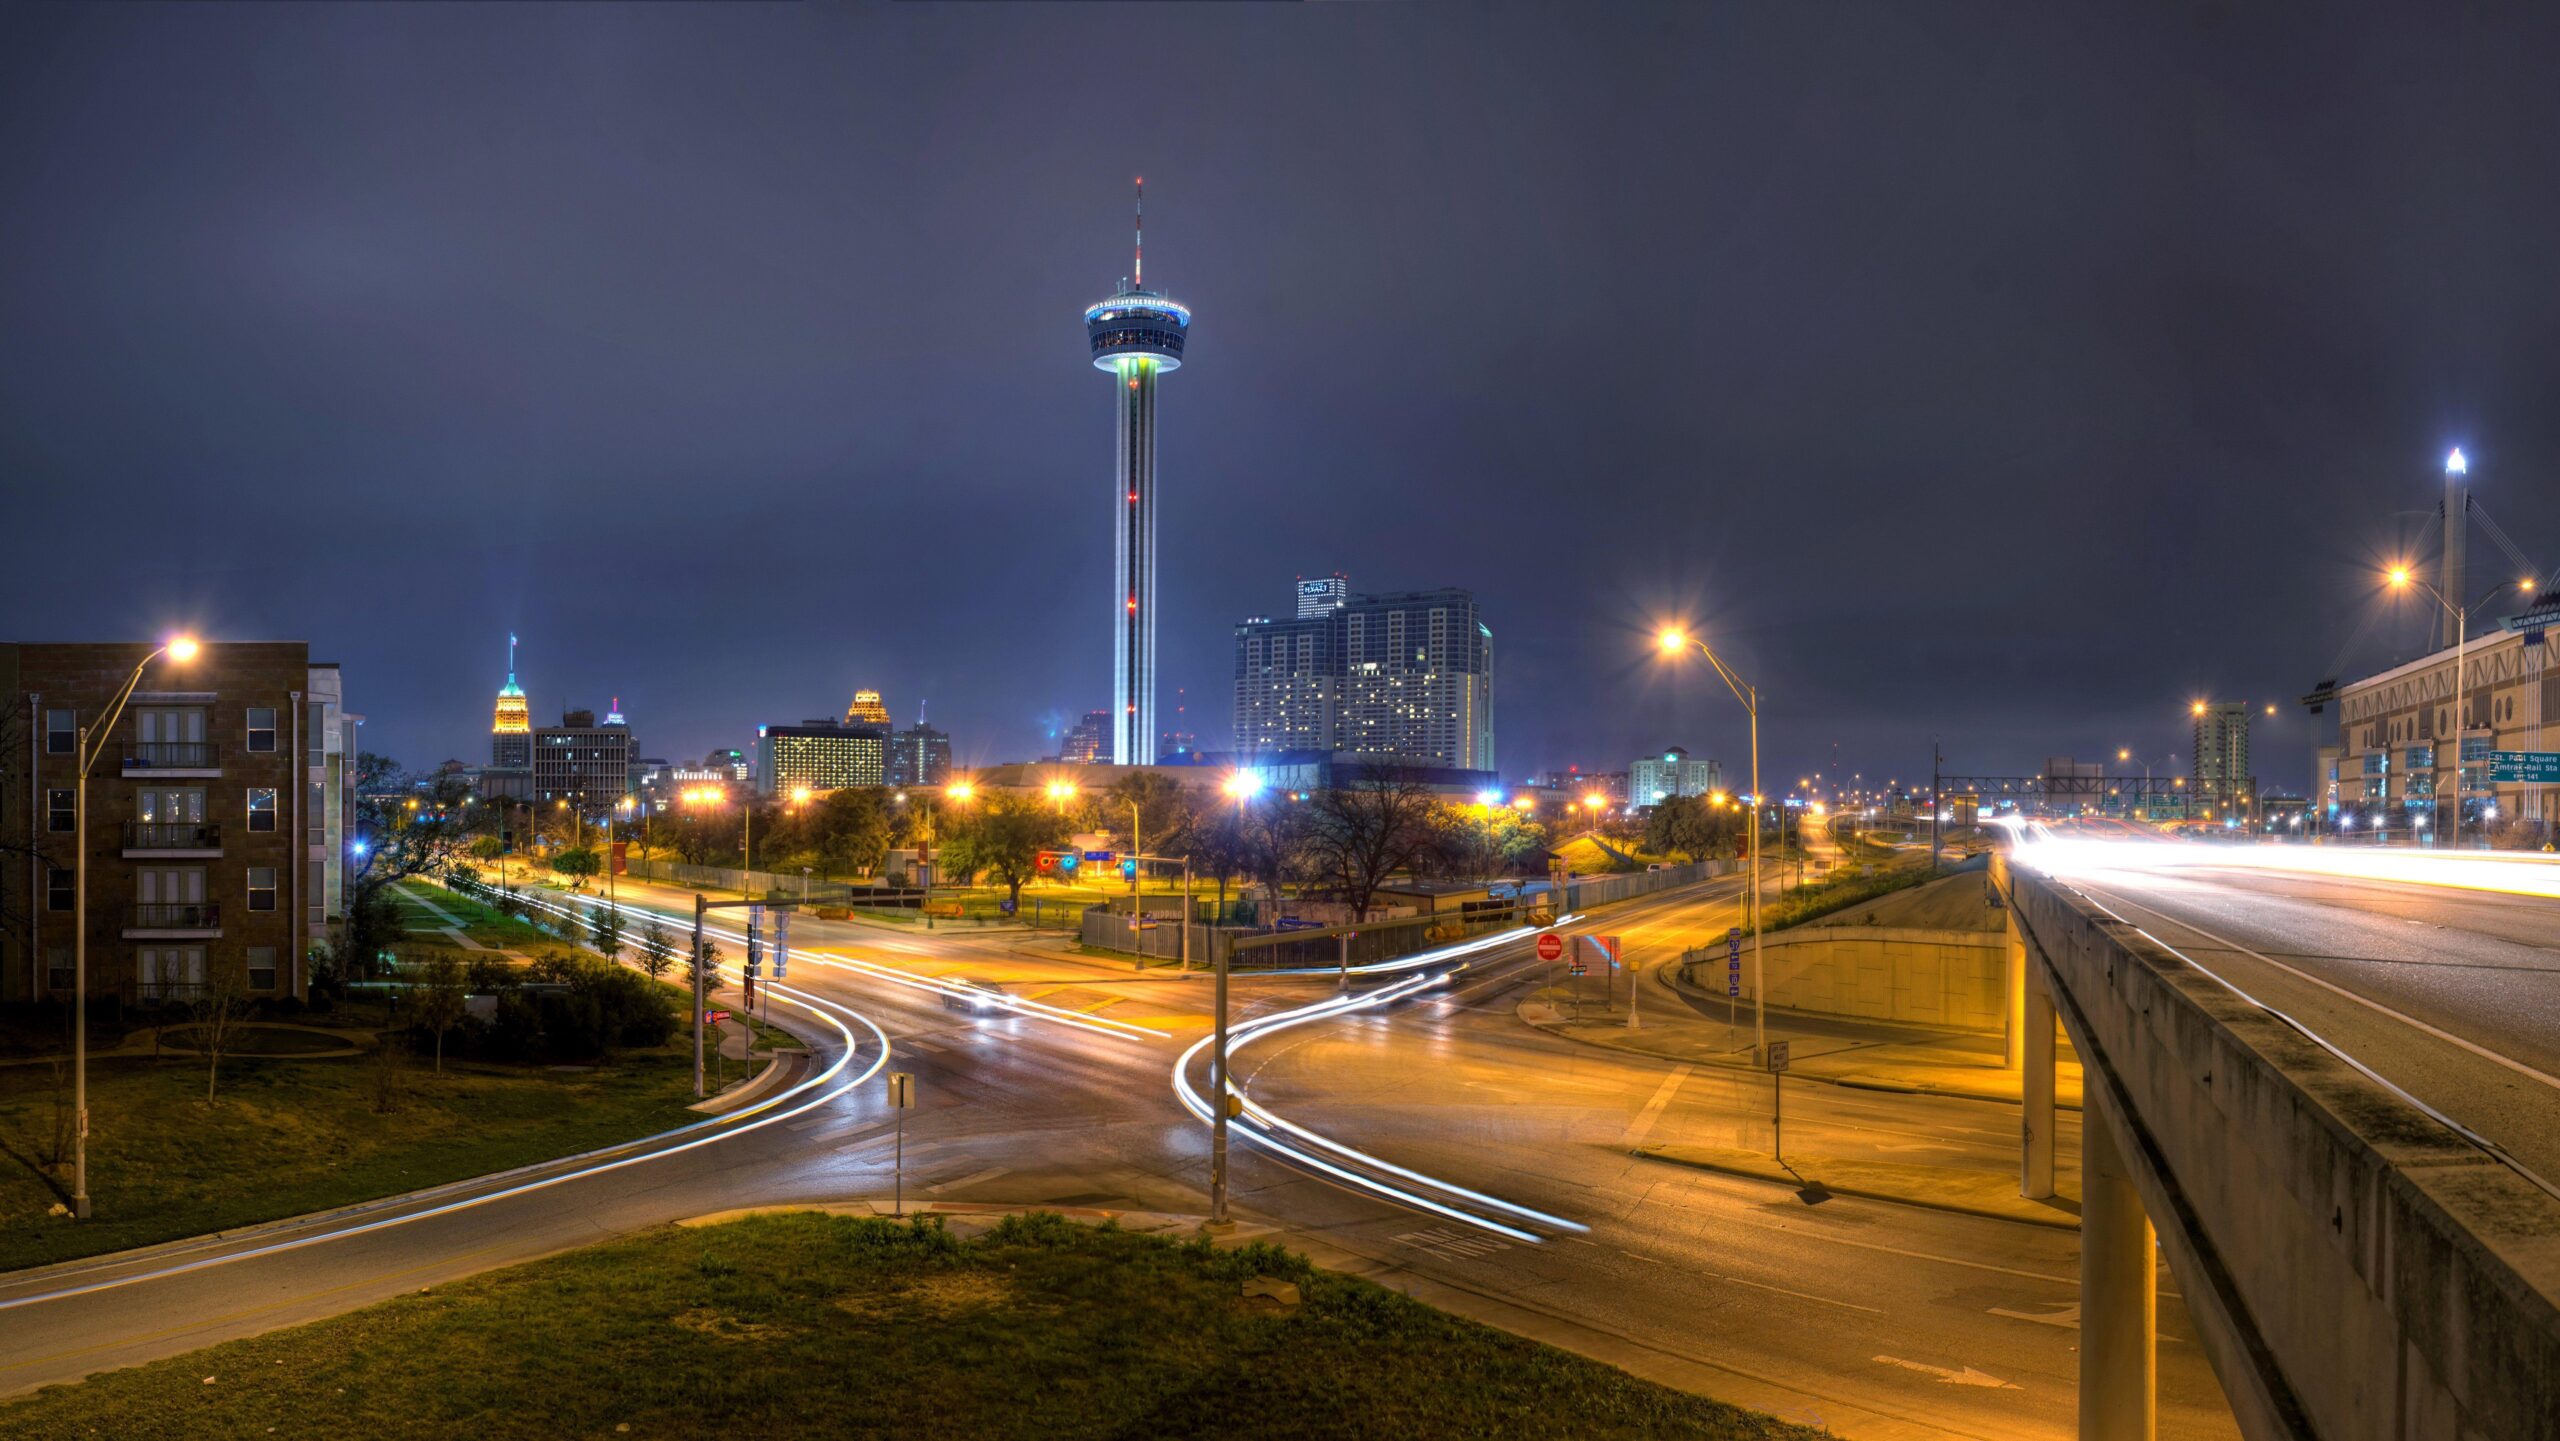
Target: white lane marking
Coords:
[[2483, 1052], [988, 1174], [1966, 1377], [1652, 1111], [1799, 1295]]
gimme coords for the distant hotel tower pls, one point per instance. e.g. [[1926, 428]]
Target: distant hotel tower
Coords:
[[1137, 336]]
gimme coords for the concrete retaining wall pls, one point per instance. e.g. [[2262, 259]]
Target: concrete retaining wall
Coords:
[[2357, 1270], [1951, 979]]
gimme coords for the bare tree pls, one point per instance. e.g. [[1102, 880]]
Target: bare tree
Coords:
[[441, 1000], [219, 1009], [1361, 834], [657, 948]]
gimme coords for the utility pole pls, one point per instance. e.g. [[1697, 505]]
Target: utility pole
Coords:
[[1936, 804], [695, 966], [1218, 1222]]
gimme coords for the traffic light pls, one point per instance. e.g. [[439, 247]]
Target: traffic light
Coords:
[[1129, 868]]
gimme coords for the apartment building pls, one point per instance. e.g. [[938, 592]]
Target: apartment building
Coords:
[[218, 802]]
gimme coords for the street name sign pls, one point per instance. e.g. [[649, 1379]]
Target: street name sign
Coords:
[[1777, 1057]]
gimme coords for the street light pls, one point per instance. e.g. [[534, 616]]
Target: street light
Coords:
[[2401, 578], [1673, 642], [92, 740]]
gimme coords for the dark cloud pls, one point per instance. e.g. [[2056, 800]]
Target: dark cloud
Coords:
[[2000, 374]]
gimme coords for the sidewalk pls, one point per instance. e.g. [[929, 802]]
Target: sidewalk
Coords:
[[1676, 1023]]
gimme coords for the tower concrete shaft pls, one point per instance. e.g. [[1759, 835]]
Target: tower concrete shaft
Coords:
[[1133, 645]]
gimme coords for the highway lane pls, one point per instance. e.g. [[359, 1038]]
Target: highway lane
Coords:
[[1703, 1281], [2450, 993]]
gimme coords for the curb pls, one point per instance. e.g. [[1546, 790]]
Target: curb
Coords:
[[1141, 1221], [2056, 1220]]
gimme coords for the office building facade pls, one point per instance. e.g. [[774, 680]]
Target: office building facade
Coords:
[[581, 762], [1088, 742], [1651, 780], [867, 709], [217, 820], [821, 755], [919, 756], [1321, 594]]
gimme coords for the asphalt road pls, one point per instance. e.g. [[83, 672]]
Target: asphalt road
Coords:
[[1877, 1320], [2451, 994]]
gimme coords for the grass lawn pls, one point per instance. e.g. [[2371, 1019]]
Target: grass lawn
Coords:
[[289, 1136], [825, 1326]]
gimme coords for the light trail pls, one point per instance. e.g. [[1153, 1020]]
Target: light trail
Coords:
[[2506, 873], [722, 1128], [1275, 1126], [981, 997]]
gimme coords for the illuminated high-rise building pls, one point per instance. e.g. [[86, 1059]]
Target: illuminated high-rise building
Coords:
[[1136, 337], [866, 709], [511, 731]]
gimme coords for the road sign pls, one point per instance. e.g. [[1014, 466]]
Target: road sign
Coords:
[[781, 942], [1609, 947], [1294, 923], [1577, 968], [1777, 1056], [902, 1090], [1551, 947], [1733, 963], [755, 941], [2528, 767], [1005, 905], [713, 1018], [1105, 857]]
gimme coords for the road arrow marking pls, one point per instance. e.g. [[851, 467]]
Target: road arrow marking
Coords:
[[1966, 1377]]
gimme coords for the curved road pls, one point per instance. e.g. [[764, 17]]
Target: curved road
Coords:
[[1877, 1320]]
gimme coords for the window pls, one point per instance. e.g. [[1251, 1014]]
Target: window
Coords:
[[262, 808], [262, 728], [58, 811], [262, 968], [59, 889], [169, 807], [61, 732], [58, 966], [262, 888]]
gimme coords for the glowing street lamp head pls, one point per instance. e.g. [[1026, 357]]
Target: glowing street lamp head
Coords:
[[1671, 640], [2398, 575], [1488, 798], [1242, 784], [2454, 464], [2196, 709], [799, 795], [2124, 755], [1524, 803], [960, 790], [183, 648]]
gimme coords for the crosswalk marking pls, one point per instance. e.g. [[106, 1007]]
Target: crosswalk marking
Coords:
[[988, 1174], [1451, 1245]]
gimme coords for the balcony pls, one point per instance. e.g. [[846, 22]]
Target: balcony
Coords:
[[171, 758], [181, 839], [196, 920]]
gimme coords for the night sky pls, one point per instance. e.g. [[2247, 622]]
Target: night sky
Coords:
[[2008, 374]]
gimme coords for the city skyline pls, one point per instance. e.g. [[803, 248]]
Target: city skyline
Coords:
[[1945, 345]]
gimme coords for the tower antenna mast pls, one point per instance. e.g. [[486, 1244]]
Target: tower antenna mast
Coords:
[[1141, 282]]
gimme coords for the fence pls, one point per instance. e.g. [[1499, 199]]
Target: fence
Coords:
[[765, 883], [1320, 947]]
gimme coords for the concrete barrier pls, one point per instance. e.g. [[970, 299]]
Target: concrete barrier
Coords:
[[2356, 1269], [1949, 979]]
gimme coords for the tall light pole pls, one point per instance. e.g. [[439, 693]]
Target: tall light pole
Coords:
[[93, 740], [2401, 578], [1674, 642]]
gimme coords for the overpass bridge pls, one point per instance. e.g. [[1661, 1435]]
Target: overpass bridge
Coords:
[[2359, 1265]]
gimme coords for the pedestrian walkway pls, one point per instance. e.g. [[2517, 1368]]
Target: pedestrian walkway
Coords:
[[1679, 1023]]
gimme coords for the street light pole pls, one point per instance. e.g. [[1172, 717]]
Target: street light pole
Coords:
[[1675, 641], [2400, 576], [90, 741]]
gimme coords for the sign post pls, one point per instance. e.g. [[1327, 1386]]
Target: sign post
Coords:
[[1777, 1055], [902, 1099]]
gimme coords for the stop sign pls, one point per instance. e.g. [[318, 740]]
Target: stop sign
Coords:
[[1551, 947]]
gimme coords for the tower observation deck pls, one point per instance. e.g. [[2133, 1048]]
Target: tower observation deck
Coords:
[[1137, 336]]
